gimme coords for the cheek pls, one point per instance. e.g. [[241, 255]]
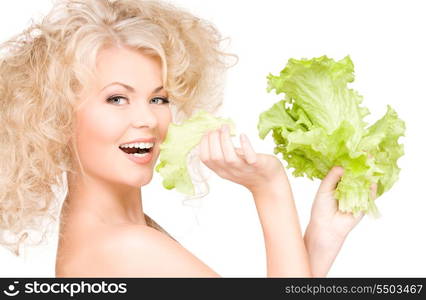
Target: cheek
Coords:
[[96, 130]]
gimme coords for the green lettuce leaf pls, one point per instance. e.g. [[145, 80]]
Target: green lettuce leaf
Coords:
[[180, 140], [320, 124]]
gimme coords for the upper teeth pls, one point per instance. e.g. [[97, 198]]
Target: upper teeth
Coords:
[[138, 145]]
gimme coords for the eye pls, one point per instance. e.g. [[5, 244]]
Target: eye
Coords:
[[116, 100], [162, 100]]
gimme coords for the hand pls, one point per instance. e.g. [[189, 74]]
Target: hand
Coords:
[[325, 212], [328, 226], [240, 165], [265, 177]]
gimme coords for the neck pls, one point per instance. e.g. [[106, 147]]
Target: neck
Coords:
[[107, 202]]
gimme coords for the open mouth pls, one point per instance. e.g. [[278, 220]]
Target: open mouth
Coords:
[[138, 149]]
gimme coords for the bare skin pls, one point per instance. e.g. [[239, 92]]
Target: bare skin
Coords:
[[328, 227], [76, 243], [103, 227], [95, 247], [104, 231], [324, 236], [108, 197]]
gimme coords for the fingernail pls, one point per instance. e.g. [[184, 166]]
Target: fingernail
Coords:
[[339, 169]]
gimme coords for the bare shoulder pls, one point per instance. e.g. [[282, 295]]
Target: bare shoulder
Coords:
[[140, 251]]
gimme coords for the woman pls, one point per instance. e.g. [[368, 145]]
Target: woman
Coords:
[[98, 77]]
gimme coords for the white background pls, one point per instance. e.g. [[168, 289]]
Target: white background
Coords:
[[385, 40]]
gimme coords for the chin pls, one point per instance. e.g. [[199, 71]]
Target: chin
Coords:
[[136, 176], [141, 181]]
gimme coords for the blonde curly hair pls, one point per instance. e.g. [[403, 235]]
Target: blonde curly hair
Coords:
[[43, 69]]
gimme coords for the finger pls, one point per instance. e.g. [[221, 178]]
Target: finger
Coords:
[[358, 216], [216, 154], [373, 189], [249, 154], [227, 147], [204, 149], [330, 181], [240, 152]]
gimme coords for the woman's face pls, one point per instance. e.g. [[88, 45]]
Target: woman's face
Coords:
[[123, 111]]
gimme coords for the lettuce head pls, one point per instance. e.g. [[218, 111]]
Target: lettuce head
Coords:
[[319, 124], [180, 140]]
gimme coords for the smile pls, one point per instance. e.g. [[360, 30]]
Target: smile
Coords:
[[137, 149]]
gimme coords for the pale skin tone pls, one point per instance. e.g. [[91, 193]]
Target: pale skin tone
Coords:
[[103, 229], [328, 227]]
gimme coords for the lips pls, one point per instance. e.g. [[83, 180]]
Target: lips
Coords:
[[140, 159], [139, 150]]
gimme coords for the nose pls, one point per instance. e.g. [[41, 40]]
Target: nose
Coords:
[[143, 116]]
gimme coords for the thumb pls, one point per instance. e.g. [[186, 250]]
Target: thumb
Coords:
[[373, 189], [330, 181]]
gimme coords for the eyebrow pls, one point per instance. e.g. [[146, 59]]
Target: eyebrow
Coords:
[[129, 88]]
